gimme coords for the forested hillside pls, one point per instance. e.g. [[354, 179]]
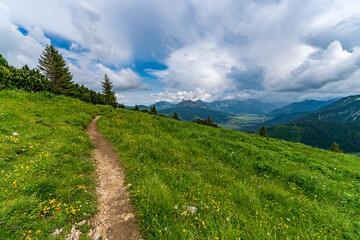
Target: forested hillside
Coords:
[[344, 110], [337, 122], [297, 107], [321, 134]]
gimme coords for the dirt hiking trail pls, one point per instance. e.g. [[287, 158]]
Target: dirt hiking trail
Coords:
[[115, 219]]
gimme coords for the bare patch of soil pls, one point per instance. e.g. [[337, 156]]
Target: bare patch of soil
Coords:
[[116, 219]]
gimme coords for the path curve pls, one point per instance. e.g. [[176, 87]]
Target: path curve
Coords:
[[115, 219]]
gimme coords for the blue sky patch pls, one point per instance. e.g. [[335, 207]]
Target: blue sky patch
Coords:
[[23, 30]]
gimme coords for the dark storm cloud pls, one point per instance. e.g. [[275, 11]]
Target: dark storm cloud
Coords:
[[347, 32], [251, 78]]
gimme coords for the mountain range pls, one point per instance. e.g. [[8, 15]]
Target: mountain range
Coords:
[[335, 122], [296, 107], [344, 110], [188, 110], [249, 106]]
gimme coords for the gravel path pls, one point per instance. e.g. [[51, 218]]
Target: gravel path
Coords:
[[115, 219]]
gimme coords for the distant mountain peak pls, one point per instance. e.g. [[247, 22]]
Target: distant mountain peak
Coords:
[[189, 103]]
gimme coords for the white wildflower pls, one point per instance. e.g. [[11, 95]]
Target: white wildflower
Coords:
[[185, 213], [192, 209], [288, 219], [176, 207], [15, 134]]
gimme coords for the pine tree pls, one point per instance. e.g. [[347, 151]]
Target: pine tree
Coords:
[[153, 110], [136, 108], [263, 131], [175, 116], [3, 61], [335, 148], [121, 106], [109, 94], [53, 65], [209, 121]]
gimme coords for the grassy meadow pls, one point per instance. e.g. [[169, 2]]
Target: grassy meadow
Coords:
[[242, 186], [46, 169], [188, 181]]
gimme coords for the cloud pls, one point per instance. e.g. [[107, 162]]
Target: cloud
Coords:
[[347, 32], [197, 69], [331, 65], [14, 46], [51, 16], [97, 36], [124, 79], [176, 96], [90, 72], [213, 49], [120, 98], [251, 78]]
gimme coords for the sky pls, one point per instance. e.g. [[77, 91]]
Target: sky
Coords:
[[169, 50]]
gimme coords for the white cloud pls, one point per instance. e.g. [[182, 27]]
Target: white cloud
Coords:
[[50, 16], [331, 65], [98, 36], [15, 47], [200, 69], [176, 96], [123, 79], [37, 34], [120, 98], [212, 48]]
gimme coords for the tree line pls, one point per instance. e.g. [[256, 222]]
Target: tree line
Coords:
[[53, 75], [321, 134]]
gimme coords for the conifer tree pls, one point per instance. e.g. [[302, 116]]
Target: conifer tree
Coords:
[[121, 106], [136, 108], [263, 131], [3, 61], [109, 94], [209, 121], [53, 65], [335, 148], [153, 110], [175, 116]]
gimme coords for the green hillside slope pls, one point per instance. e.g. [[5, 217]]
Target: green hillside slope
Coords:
[[187, 181], [280, 119], [336, 122], [321, 134], [45, 164], [193, 113], [296, 107], [343, 110], [195, 182]]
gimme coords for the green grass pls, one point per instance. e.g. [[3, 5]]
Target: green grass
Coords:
[[286, 132], [243, 121], [46, 180], [243, 186]]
